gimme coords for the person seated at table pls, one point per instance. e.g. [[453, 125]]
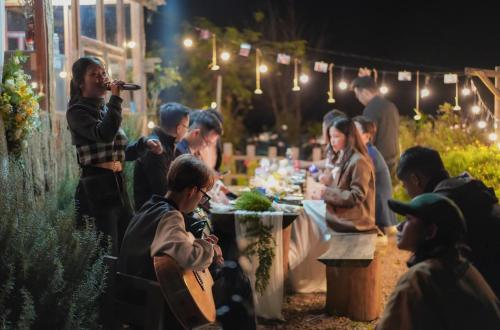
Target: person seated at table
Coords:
[[422, 170], [160, 228], [349, 191], [204, 130], [385, 219], [441, 290], [150, 172]]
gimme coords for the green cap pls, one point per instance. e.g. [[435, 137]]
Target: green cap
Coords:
[[434, 208]]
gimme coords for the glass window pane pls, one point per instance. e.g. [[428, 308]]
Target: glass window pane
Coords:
[[110, 21], [16, 28], [88, 18], [60, 66], [128, 24]]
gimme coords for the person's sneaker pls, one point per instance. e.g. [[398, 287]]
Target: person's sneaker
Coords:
[[390, 231]]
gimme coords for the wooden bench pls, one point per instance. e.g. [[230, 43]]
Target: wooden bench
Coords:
[[353, 276], [145, 310]]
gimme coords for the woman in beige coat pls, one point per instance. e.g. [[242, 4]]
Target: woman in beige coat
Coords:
[[349, 191]]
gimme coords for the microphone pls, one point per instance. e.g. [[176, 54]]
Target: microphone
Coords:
[[126, 87]]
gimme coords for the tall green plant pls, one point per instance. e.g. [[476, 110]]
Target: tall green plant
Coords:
[[51, 276]]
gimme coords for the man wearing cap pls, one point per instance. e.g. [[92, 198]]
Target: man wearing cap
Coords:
[[441, 290]]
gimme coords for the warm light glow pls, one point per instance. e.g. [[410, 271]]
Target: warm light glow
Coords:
[[34, 85], [151, 124], [258, 91], [131, 44], [63, 74], [296, 88], [457, 108], [384, 89], [425, 92], [284, 127], [304, 79], [481, 124], [188, 42], [225, 56], [343, 85], [492, 137], [476, 109], [466, 91], [417, 116], [213, 105], [263, 68]]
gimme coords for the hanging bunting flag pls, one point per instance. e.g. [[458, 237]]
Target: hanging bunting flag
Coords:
[[321, 67], [330, 84], [283, 59], [245, 49], [404, 76], [296, 86], [450, 78], [205, 34]]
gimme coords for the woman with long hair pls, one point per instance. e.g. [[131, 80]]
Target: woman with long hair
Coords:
[[101, 147], [349, 191]]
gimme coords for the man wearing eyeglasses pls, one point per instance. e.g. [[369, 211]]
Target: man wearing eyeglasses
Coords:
[[150, 172], [204, 130]]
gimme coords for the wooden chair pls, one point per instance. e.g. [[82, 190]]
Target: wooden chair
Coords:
[[131, 301], [353, 276]]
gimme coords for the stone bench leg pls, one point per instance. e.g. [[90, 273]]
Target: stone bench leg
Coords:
[[354, 292]]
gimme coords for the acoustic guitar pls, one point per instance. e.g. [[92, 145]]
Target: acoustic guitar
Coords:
[[188, 293]]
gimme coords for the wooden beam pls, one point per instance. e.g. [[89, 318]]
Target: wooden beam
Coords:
[[487, 73], [487, 82], [41, 51]]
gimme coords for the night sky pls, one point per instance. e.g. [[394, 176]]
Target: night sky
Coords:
[[441, 36]]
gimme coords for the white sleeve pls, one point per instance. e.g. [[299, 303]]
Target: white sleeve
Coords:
[[172, 238]]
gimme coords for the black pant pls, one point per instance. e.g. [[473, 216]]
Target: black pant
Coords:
[[101, 197]]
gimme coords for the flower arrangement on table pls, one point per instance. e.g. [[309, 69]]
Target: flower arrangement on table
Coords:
[[19, 106]]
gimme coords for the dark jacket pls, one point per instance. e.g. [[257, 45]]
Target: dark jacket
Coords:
[[182, 148], [350, 201], [386, 116], [384, 217], [150, 172], [479, 205], [135, 254]]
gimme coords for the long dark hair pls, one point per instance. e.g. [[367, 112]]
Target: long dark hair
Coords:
[[352, 139], [78, 75]]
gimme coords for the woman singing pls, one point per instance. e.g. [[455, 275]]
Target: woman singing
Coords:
[[102, 148]]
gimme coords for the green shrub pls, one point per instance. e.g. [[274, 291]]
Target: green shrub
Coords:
[[253, 201], [51, 276]]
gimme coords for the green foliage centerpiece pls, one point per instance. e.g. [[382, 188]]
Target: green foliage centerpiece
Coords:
[[263, 243]]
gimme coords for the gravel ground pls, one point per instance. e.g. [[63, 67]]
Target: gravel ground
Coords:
[[306, 311]]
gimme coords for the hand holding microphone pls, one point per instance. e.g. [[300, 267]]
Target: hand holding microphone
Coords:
[[116, 86]]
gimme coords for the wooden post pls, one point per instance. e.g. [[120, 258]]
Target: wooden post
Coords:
[[41, 51], [497, 104], [138, 53]]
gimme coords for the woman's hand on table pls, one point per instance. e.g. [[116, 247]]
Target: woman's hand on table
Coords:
[[326, 178], [154, 146]]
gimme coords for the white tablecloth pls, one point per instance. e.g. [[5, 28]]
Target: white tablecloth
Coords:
[[309, 240], [268, 305]]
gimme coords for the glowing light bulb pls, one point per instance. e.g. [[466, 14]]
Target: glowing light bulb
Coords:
[[343, 85], [476, 109], [481, 124], [263, 68], [492, 137], [258, 91], [417, 117], [425, 92], [131, 44], [384, 89], [225, 56], [188, 42], [213, 105], [34, 85], [151, 124], [466, 91], [304, 79], [63, 74]]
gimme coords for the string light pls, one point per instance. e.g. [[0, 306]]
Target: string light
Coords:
[[304, 78], [296, 86], [63, 74], [225, 56], [213, 105], [481, 124], [384, 89], [258, 54], [214, 65], [330, 84], [476, 109], [425, 92], [492, 137], [151, 124], [188, 42], [343, 85], [34, 85], [466, 91], [131, 44], [263, 68]]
